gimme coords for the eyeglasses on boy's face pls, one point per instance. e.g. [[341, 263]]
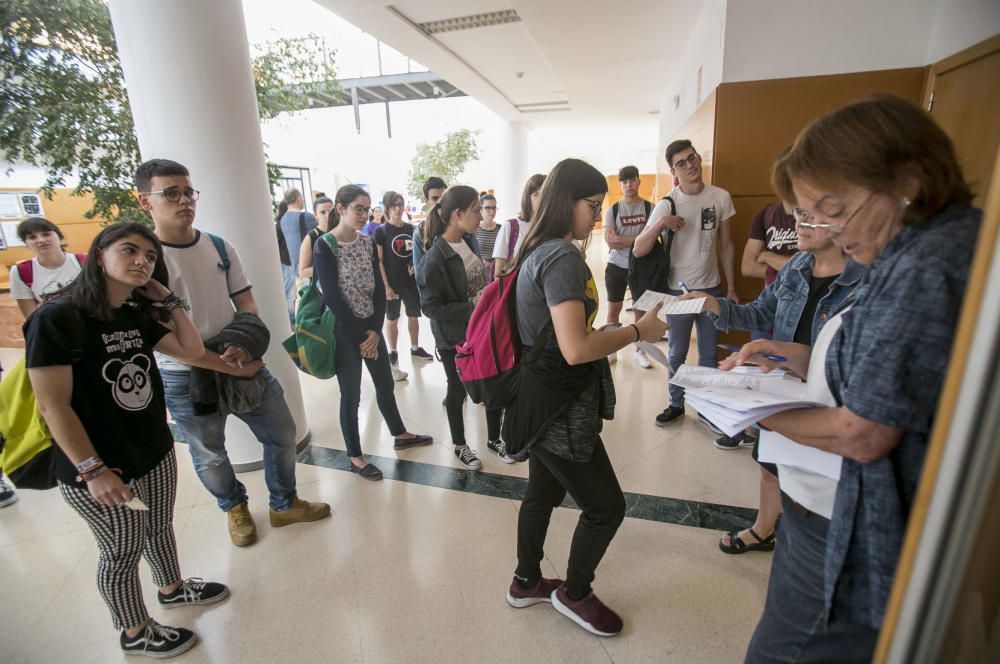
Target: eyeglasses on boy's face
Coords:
[[682, 164], [173, 194]]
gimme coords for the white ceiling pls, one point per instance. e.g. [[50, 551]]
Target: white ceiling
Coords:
[[604, 58]]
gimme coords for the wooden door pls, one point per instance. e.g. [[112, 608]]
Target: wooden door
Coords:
[[963, 95]]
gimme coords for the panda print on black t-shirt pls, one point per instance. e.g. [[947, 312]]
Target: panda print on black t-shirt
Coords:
[[130, 385]]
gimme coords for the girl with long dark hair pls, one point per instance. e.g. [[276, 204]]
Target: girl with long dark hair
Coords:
[[346, 263], [564, 395], [89, 355], [450, 279]]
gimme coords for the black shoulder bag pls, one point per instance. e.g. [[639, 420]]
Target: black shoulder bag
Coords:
[[652, 271]]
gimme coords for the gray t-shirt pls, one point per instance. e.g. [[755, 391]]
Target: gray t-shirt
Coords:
[[553, 273], [629, 222]]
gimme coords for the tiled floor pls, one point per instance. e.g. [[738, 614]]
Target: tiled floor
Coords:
[[406, 572]]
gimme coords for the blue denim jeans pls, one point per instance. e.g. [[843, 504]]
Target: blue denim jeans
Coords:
[[792, 628], [288, 281], [679, 340], [349, 363], [271, 423]]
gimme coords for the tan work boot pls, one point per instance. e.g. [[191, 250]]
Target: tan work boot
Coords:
[[299, 511], [242, 530]]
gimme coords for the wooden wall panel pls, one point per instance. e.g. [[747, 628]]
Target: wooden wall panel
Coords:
[[757, 119]]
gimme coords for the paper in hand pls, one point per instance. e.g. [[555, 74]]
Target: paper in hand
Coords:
[[137, 505], [672, 305]]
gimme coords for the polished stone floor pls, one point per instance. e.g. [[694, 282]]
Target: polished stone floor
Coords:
[[414, 568]]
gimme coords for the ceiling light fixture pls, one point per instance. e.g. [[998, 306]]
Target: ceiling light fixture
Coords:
[[469, 22]]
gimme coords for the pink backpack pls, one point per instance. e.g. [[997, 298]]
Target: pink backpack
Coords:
[[488, 362], [26, 271]]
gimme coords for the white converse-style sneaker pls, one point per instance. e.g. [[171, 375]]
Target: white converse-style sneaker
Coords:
[[640, 358]]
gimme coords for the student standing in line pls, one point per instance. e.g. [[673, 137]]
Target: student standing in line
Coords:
[[486, 233], [326, 219], [433, 191], [513, 232], [451, 278], [701, 234], [219, 291], [294, 223], [563, 397], [51, 268], [812, 286], [352, 286], [623, 221], [394, 242], [375, 218], [89, 354]]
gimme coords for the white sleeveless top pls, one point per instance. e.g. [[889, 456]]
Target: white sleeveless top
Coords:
[[813, 491]]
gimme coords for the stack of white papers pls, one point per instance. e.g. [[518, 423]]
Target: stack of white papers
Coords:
[[733, 400], [672, 305]]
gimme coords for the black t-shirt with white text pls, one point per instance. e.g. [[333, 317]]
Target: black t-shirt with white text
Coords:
[[117, 390], [818, 288]]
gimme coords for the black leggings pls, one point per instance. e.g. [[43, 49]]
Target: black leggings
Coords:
[[456, 397], [594, 487]]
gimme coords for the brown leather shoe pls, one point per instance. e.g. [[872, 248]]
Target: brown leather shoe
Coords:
[[298, 512], [242, 530]]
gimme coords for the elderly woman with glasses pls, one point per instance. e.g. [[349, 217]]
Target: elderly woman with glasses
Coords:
[[882, 177]]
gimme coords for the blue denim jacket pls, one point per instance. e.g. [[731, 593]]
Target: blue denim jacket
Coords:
[[887, 364], [780, 305]]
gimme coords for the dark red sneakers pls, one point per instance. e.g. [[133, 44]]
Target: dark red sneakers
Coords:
[[520, 598], [589, 613]]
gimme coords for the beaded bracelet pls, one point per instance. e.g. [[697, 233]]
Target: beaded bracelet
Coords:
[[173, 301], [93, 474]]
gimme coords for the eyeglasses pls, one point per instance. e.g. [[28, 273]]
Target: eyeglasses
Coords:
[[174, 194], [489, 207], [680, 165], [595, 206], [802, 217], [360, 209]]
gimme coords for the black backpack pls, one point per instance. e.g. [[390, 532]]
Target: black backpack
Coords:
[[652, 271]]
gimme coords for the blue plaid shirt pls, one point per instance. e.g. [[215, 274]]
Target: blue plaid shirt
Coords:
[[887, 364]]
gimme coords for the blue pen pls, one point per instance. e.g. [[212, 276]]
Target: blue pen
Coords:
[[684, 287], [736, 349]]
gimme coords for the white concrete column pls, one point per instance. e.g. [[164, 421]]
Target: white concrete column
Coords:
[[190, 84], [513, 169]]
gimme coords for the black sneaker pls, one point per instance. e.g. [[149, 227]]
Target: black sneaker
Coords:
[[159, 641], [393, 358], [725, 442], [467, 456], [421, 354], [406, 443], [193, 591], [499, 448], [669, 415]]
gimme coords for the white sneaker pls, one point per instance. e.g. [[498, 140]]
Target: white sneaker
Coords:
[[398, 374], [640, 358], [468, 457]]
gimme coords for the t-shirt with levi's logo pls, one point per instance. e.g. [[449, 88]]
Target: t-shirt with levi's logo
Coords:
[[117, 391]]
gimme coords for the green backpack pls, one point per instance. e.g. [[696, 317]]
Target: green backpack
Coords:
[[312, 346]]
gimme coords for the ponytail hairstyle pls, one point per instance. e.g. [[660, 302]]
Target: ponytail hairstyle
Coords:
[[89, 291], [533, 184], [459, 197], [570, 181], [282, 209]]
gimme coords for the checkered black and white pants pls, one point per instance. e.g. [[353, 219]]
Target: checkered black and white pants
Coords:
[[124, 534]]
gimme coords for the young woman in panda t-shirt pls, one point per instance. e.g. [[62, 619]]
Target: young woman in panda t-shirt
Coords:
[[89, 356]]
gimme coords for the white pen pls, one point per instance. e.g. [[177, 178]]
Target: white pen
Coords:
[[684, 287]]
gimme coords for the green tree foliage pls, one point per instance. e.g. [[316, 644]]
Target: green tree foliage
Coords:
[[446, 159], [64, 106]]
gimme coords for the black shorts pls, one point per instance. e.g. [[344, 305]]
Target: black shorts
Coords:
[[616, 281], [407, 297]]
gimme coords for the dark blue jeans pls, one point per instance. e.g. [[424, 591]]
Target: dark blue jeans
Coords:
[[792, 629], [349, 362], [679, 339]]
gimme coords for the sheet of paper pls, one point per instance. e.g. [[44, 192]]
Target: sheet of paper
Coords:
[[694, 377], [672, 305], [775, 448], [10, 208]]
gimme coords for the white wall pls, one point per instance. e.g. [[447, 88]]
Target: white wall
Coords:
[[704, 50], [958, 24], [768, 39], [606, 145]]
